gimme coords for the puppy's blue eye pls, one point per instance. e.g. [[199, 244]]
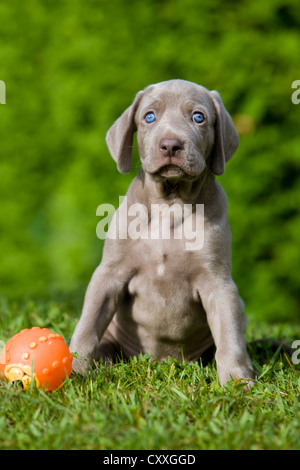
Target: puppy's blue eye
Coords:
[[150, 117], [198, 117]]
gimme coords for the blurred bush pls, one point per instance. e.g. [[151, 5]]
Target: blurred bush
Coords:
[[72, 67]]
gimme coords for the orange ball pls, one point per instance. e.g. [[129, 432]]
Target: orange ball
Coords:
[[36, 353]]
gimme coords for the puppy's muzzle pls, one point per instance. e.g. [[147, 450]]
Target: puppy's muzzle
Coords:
[[171, 162]]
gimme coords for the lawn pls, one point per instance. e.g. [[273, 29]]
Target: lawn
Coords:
[[151, 405], [70, 69]]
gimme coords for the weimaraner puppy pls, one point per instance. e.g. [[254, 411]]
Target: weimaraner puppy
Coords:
[[153, 294]]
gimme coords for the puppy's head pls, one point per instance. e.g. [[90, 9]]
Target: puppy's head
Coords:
[[181, 129]]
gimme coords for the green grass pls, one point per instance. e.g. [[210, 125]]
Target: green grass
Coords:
[[150, 405]]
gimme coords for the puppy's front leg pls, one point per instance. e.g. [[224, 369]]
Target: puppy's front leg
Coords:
[[224, 310], [102, 297]]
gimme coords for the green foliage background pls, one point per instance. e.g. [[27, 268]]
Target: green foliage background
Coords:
[[72, 66]]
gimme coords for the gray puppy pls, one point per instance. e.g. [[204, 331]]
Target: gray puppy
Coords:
[[152, 294]]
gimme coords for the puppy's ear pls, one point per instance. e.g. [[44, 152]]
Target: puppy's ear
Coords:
[[119, 137], [226, 136]]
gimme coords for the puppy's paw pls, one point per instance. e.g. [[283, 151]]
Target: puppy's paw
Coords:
[[243, 375], [236, 367], [80, 365]]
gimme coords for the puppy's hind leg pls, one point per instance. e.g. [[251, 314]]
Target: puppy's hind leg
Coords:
[[109, 350]]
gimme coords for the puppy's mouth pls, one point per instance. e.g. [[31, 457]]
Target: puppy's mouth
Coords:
[[173, 172]]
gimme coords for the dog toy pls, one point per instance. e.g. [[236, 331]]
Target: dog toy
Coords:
[[38, 354]]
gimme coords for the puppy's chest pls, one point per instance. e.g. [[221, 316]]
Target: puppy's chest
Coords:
[[162, 299], [165, 271]]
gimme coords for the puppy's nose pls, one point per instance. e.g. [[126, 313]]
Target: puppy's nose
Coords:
[[170, 147]]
